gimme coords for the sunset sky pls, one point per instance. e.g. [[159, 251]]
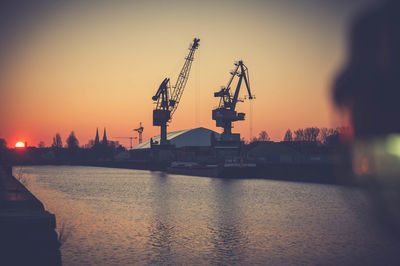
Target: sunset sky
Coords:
[[79, 65]]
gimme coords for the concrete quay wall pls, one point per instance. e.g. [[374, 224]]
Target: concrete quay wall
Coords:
[[27, 230]]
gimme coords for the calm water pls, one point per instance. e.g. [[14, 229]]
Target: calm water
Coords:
[[120, 217]]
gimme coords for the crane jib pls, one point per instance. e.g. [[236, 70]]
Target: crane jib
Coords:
[[169, 101]]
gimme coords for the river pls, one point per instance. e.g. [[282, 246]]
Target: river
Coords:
[[122, 217]]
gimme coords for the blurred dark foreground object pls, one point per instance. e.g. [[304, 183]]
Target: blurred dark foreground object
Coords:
[[368, 89], [369, 85]]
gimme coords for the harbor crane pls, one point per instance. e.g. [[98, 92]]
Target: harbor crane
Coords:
[[130, 138], [140, 131], [167, 98], [226, 113]]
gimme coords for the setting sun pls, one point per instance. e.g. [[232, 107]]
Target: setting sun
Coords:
[[19, 144]]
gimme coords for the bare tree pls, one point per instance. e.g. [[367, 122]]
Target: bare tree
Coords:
[[325, 133], [263, 136], [307, 134], [72, 141], [334, 136], [311, 134], [299, 135], [314, 134], [288, 136], [254, 139], [57, 142]]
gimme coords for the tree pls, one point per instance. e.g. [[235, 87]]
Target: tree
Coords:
[[72, 141], [90, 144], [314, 134], [288, 136], [3, 144], [311, 134], [333, 138], [254, 139], [299, 135], [41, 144], [325, 133], [57, 142], [3, 148], [263, 136]]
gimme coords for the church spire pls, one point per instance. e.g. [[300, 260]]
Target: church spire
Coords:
[[97, 139], [105, 142]]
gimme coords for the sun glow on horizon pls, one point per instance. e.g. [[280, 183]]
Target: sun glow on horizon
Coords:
[[19, 144]]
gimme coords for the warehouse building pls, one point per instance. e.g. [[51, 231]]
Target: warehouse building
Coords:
[[197, 137]]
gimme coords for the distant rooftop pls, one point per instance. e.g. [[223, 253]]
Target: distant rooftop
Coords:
[[196, 137]]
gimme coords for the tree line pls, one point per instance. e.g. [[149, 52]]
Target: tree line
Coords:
[[310, 134], [72, 142], [94, 150]]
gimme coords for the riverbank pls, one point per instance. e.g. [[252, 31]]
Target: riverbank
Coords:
[[27, 230]]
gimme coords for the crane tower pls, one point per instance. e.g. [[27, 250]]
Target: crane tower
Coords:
[[226, 113], [140, 131], [167, 98]]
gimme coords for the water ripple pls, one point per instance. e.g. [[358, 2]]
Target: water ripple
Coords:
[[125, 217]]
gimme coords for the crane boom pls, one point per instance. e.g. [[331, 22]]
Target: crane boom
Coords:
[[183, 77]]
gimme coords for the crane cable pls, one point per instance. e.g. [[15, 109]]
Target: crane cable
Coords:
[[251, 120], [197, 91]]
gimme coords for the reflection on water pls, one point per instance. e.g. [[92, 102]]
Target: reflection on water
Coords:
[[120, 217], [227, 236], [161, 227]]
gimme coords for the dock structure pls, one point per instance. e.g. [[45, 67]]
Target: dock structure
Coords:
[[27, 230]]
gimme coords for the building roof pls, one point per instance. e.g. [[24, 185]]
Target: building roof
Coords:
[[196, 137]]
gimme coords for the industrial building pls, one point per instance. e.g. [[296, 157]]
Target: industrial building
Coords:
[[197, 137]]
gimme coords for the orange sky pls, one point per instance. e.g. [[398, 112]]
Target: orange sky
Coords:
[[97, 64]]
